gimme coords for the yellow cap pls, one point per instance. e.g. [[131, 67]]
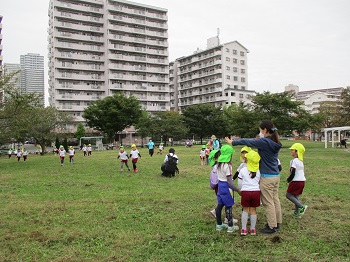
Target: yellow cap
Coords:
[[133, 145], [300, 149], [253, 160]]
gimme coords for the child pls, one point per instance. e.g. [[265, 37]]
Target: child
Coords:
[[55, 150], [19, 154], [161, 147], [244, 151], [71, 154], [134, 153], [84, 149], [296, 178], [9, 152], [123, 155], [24, 154], [62, 154], [207, 152], [202, 155], [169, 167], [89, 149], [225, 199], [250, 191]]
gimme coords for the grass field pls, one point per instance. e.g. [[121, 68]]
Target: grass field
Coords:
[[90, 211]]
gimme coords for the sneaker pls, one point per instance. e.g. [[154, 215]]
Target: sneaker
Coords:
[[213, 212], [244, 232], [279, 227], [252, 232], [221, 227], [233, 228], [302, 210], [295, 213], [268, 230], [234, 221]]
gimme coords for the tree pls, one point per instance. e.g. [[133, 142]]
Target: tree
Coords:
[[145, 126], [345, 107], [113, 114], [80, 131], [329, 113], [168, 124], [204, 120]]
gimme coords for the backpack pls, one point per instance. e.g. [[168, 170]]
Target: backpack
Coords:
[[214, 180], [170, 166]]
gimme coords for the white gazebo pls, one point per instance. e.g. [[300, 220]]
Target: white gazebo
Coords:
[[333, 130], [99, 144]]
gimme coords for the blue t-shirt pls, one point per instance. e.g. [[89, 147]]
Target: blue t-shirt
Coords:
[[150, 145]]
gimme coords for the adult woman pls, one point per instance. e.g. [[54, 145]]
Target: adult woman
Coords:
[[268, 147]]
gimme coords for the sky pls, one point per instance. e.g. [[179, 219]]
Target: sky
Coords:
[[300, 42]]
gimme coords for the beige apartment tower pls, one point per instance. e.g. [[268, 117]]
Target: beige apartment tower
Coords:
[[217, 75], [98, 47]]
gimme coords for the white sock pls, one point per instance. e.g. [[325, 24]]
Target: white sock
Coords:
[[244, 220], [253, 219]]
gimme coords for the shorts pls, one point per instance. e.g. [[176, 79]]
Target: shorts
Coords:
[[224, 196], [202, 157], [134, 160], [296, 187], [70, 157], [250, 198], [124, 161]]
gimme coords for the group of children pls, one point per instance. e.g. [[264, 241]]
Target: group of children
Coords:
[[18, 153], [248, 174], [124, 157]]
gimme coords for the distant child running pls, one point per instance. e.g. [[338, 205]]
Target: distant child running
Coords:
[[250, 192], [296, 178], [207, 152], [160, 148], [202, 155], [84, 149], [123, 155], [71, 152], [24, 154], [62, 154], [9, 152], [224, 197], [19, 154], [134, 154], [89, 150]]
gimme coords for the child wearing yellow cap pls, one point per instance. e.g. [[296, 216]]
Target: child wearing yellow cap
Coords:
[[123, 155], [202, 155], [250, 191], [84, 149], [134, 154], [71, 153], [225, 183], [89, 150], [296, 178]]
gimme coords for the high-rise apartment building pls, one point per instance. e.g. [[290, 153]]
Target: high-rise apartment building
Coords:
[[32, 75], [98, 47], [15, 69], [217, 75]]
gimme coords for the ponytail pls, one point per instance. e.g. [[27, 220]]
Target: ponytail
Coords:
[[271, 129]]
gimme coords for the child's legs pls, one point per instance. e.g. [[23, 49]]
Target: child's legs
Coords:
[[229, 217], [253, 217], [62, 160], [134, 165], [18, 158], [121, 165], [294, 199], [24, 158], [218, 213], [126, 164]]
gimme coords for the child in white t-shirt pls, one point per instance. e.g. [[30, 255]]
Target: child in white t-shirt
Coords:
[[134, 154], [62, 153], [19, 154], [123, 155], [71, 152], [296, 178], [24, 154], [89, 150], [202, 155], [250, 191]]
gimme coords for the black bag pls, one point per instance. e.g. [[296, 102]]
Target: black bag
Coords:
[[170, 167]]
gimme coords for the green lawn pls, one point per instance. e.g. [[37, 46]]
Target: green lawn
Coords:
[[91, 211]]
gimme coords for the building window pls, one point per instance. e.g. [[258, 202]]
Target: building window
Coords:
[[235, 87], [242, 53], [234, 60], [242, 79], [227, 50], [228, 77], [234, 69], [243, 71], [228, 86], [243, 87], [227, 59], [234, 52], [227, 68], [233, 94], [235, 78], [242, 62], [240, 95], [226, 94]]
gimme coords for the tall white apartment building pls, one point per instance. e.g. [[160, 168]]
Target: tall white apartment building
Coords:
[[32, 75], [98, 47], [11, 68], [217, 75]]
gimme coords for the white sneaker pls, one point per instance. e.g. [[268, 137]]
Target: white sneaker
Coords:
[[213, 212], [235, 221]]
